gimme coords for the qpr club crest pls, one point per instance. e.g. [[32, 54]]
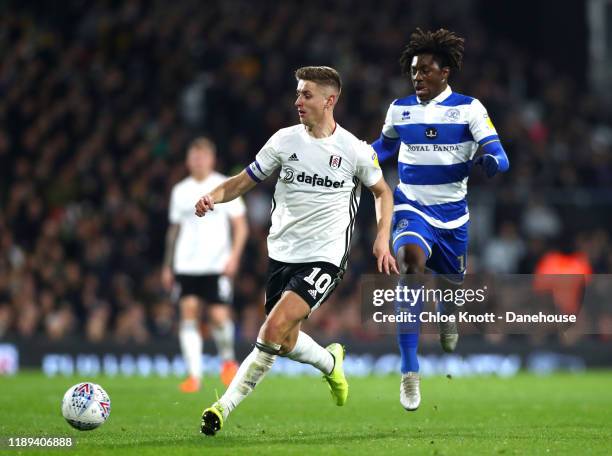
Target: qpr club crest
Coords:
[[335, 161], [401, 225], [431, 133], [452, 114]]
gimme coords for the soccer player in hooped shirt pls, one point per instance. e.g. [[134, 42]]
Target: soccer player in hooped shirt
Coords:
[[322, 167], [437, 133], [203, 257]]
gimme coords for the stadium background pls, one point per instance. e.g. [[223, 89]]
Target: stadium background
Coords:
[[98, 101]]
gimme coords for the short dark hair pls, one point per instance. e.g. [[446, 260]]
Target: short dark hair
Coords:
[[323, 75], [203, 142], [445, 46]]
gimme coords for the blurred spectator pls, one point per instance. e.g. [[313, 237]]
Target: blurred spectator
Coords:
[[540, 221], [567, 292], [503, 253]]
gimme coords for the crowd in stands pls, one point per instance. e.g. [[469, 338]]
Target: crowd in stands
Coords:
[[98, 101]]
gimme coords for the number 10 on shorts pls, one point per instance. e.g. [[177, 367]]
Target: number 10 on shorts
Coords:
[[320, 284]]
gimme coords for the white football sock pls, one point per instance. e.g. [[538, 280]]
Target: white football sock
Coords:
[[307, 351], [191, 347], [250, 373], [224, 340]]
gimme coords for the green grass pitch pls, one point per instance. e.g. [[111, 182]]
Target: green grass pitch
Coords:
[[527, 414]]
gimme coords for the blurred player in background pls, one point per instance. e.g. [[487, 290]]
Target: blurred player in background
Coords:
[[322, 167], [437, 133], [203, 256]]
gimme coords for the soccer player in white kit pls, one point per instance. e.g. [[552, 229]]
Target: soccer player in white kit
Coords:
[[322, 167], [202, 257]]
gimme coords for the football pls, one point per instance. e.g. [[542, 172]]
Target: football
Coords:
[[86, 406]]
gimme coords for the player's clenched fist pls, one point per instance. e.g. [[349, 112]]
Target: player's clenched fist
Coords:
[[204, 205]]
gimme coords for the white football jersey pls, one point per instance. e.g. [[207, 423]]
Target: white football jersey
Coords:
[[204, 244], [317, 194]]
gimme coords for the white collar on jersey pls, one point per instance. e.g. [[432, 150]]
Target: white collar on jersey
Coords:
[[440, 98]]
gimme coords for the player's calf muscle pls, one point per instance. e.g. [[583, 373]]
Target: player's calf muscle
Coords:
[[273, 330], [282, 324], [290, 340], [279, 331]]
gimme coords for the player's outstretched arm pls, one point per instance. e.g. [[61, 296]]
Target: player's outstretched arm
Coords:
[[383, 198], [231, 189]]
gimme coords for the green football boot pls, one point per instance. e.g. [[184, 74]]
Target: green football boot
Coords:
[[336, 380], [212, 419]]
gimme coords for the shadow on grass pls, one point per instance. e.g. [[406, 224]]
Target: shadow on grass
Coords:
[[257, 437]]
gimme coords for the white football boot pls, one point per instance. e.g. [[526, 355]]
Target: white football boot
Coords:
[[410, 391]]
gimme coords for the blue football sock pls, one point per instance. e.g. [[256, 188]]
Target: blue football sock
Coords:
[[408, 336], [408, 345]]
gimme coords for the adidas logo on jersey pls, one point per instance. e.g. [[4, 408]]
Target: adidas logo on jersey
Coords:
[[313, 293], [294, 158], [319, 181]]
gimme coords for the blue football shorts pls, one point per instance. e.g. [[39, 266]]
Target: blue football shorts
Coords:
[[446, 249]]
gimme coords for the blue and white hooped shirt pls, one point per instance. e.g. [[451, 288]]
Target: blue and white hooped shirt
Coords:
[[438, 141]]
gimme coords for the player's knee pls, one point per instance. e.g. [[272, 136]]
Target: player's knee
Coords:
[[189, 308], [218, 314], [411, 259]]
